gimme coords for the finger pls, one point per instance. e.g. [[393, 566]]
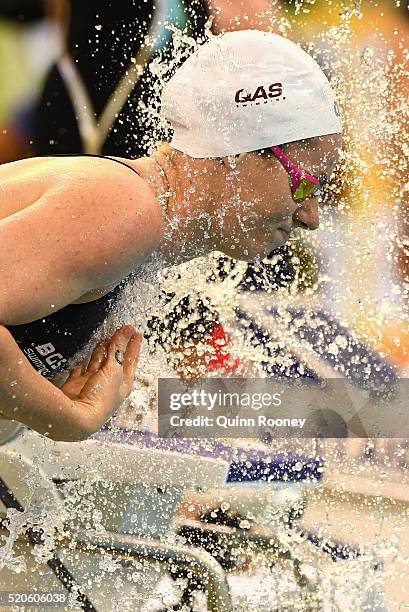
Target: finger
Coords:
[[118, 345], [103, 390], [131, 361], [98, 357], [77, 370], [132, 355]]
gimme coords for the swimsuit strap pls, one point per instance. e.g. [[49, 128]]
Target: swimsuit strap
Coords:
[[118, 161], [162, 202]]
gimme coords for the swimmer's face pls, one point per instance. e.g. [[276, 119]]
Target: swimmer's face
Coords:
[[264, 214]]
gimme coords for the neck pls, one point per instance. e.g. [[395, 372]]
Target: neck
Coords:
[[181, 186]]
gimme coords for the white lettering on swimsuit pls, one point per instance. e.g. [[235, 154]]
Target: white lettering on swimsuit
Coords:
[[53, 359]]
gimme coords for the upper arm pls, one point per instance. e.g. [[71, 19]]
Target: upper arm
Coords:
[[80, 235], [120, 226], [35, 276]]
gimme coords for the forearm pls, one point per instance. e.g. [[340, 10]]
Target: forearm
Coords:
[[27, 397]]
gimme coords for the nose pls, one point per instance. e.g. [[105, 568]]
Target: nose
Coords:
[[307, 215]]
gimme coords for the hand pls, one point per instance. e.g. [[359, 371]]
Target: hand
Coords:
[[101, 385]]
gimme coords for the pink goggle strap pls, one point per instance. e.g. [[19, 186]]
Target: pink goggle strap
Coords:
[[293, 170]]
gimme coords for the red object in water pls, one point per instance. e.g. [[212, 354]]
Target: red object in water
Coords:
[[220, 358]]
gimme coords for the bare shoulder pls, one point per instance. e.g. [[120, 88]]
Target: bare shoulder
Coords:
[[108, 217], [112, 177], [118, 213], [122, 192]]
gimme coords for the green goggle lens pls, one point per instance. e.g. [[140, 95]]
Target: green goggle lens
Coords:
[[306, 189]]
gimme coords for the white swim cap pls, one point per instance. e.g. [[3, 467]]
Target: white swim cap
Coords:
[[245, 91]]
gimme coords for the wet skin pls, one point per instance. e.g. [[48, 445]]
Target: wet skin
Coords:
[[267, 213], [240, 206]]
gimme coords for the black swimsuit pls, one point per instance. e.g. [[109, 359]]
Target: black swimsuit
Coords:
[[52, 341]]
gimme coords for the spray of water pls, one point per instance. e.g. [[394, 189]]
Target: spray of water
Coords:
[[340, 267]]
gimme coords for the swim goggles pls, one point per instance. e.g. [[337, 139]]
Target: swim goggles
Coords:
[[303, 185]]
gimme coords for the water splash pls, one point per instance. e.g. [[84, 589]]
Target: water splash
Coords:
[[364, 203]]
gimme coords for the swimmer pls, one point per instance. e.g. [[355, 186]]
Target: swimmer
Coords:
[[256, 134]]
